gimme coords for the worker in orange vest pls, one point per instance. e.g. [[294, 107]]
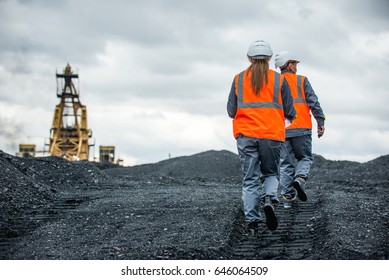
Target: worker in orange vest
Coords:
[[296, 152], [259, 102]]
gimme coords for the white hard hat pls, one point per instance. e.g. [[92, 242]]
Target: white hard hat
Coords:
[[283, 57], [259, 50]]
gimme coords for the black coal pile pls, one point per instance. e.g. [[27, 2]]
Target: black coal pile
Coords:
[[208, 165], [183, 208], [29, 184], [18, 190], [353, 202]]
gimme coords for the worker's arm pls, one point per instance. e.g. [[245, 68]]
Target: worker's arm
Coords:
[[232, 102], [314, 105]]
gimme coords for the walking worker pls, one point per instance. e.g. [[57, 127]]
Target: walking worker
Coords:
[[296, 152], [259, 102]]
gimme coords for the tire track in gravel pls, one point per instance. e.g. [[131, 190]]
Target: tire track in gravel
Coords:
[[25, 224], [295, 237]]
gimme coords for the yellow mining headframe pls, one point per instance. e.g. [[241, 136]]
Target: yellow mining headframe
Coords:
[[69, 133]]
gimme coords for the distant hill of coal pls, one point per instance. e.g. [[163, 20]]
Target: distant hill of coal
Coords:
[[210, 164], [375, 169], [223, 164]]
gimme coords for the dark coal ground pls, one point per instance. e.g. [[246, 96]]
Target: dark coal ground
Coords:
[[181, 208]]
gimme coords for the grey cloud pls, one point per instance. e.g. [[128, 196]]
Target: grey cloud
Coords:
[[367, 14], [305, 13], [11, 133]]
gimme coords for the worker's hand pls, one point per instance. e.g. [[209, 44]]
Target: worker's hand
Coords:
[[287, 123], [320, 130]]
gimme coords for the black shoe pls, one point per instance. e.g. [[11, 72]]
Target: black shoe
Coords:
[[298, 184], [252, 229], [271, 219]]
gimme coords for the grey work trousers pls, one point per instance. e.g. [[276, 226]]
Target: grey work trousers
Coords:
[[296, 161], [260, 164]]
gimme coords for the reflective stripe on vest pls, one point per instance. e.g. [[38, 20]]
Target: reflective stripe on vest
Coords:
[[299, 98], [262, 115]]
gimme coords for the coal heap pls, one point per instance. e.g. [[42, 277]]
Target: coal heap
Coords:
[[185, 208], [207, 165], [30, 183]]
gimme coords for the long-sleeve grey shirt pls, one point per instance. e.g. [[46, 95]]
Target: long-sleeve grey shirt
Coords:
[[313, 103]]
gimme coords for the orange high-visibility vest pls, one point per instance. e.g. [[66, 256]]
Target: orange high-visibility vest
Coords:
[[262, 115], [296, 84]]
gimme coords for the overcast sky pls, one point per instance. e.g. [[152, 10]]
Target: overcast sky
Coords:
[[155, 75]]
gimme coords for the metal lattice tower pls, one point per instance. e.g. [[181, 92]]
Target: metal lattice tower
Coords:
[[69, 134]]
